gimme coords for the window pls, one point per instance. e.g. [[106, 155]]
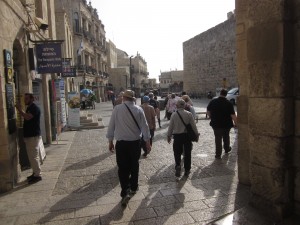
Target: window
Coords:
[[76, 22]]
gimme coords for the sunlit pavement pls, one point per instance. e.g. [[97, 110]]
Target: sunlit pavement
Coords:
[[80, 183]]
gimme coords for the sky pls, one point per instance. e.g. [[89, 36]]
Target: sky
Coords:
[[156, 29]]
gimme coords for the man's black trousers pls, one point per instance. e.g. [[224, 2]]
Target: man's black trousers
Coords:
[[128, 154], [221, 134], [180, 144]]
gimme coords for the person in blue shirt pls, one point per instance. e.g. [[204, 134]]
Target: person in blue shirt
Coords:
[[128, 125]]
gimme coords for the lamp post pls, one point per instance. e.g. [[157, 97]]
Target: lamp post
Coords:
[[130, 72], [125, 81]]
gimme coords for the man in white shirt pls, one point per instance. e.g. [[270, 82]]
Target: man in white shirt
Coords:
[[127, 125]]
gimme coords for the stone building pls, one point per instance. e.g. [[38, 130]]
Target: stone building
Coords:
[[90, 51], [65, 32], [118, 75], [268, 46], [171, 81], [209, 59], [23, 23], [139, 71]]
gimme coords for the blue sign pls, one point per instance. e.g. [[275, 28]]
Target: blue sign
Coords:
[[49, 58]]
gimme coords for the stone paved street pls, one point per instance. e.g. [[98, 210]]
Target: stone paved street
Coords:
[[80, 183]]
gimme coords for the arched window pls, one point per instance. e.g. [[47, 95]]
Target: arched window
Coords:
[[76, 22]]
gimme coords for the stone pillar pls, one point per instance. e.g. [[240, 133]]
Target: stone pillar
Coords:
[[265, 105], [243, 78]]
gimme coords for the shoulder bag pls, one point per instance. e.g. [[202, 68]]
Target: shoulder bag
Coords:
[[192, 136]]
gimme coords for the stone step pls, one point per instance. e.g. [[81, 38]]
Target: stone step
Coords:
[[90, 124], [86, 120]]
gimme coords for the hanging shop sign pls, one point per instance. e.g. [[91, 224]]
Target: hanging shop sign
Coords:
[[49, 58], [67, 69], [8, 66]]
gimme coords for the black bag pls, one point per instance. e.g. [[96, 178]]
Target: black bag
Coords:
[[192, 136]]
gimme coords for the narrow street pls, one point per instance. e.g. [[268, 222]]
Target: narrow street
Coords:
[[80, 183]]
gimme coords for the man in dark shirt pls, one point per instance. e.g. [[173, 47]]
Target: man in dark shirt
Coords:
[[32, 135], [223, 118]]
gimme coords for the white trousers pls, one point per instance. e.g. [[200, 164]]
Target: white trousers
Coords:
[[33, 152]]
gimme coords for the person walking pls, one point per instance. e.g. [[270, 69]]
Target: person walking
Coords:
[[150, 117], [181, 143], [32, 135], [157, 111], [171, 105], [119, 100], [128, 125], [223, 118]]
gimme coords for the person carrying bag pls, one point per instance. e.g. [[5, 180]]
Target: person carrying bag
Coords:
[[182, 141]]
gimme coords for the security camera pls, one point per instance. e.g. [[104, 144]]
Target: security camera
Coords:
[[42, 24]]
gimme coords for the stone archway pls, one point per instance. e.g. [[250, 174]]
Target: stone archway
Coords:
[[267, 34]]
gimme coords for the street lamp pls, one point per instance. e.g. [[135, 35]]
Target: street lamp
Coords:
[[130, 72], [125, 81]]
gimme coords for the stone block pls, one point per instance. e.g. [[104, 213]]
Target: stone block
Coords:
[[271, 152], [265, 42], [297, 186], [271, 117], [270, 79], [296, 156], [297, 118], [243, 154], [242, 109], [265, 11], [269, 183], [297, 79], [3, 136], [3, 118]]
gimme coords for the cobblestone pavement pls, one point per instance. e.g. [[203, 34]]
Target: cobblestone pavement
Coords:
[[80, 183]]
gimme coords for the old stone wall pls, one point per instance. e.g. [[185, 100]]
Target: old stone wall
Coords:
[[268, 105], [209, 57], [296, 157]]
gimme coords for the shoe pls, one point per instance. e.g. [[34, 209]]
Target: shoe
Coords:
[[177, 171], [145, 154], [187, 173], [125, 200], [218, 157], [34, 179], [133, 192], [229, 150], [30, 177]]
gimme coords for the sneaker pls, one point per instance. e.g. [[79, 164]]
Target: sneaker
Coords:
[[177, 171], [218, 157], [229, 150], [30, 177], [125, 200], [34, 179]]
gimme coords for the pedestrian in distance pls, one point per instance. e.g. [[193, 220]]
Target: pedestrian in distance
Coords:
[[119, 100], [128, 125], [150, 117], [157, 111], [171, 105], [181, 143], [189, 105], [32, 135], [222, 119]]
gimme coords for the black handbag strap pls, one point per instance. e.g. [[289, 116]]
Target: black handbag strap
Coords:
[[181, 119], [132, 116]]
